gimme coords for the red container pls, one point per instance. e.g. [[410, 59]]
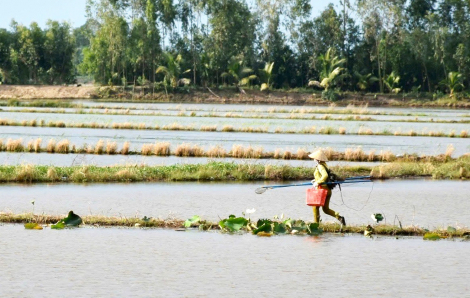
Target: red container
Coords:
[[316, 197]]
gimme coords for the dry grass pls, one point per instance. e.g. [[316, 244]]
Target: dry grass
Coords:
[[452, 134], [208, 128], [14, 145], [365, 131], [237, 151], [142, 126], [277, 154], [147, 149], [228, 128], [287, 155], [111, 147], [216, 152], [99, 148], [412, 133], [450, 150], [50, 148], [187, 150], [52, 174], [371, 156], [37, 145], [311, 130], [355, 154], [342, 131], [464, 134], [125, 148], [162, 149], [278, 130], [387, 156], [26, 173], [63, 146], [302, 154]]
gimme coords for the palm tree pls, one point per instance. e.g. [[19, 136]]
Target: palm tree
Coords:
[[453, 82], [391, 82], [267, 74], [364, 81], [239, 74], [330, 71], [172, 71]]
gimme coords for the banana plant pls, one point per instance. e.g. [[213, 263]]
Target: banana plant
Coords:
[[364, 81], [391, 82], [172, 71], [267, 74], [239, 74], [453, 82], [330, 71]]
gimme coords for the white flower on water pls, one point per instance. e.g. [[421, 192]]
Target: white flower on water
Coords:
[[249, 211]]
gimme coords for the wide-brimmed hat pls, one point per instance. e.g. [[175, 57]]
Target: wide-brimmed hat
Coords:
[[318, 155]]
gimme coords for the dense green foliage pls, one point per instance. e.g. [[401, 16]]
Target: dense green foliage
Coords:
[[36, 56], [363, 45]]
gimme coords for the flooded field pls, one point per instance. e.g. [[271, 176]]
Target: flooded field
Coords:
[[62, 160], [165, 263], [269, 142], [425, 203]]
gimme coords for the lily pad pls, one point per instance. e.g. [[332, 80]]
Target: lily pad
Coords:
[[432, 236], [377, 217], [58, 226], [233, 224], [32, 226], [72, 220], [266, 227], [279, 228], [314, 229], [451, 229], [193, 220]]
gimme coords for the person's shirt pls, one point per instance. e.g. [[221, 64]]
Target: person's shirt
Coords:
[[321, 173]]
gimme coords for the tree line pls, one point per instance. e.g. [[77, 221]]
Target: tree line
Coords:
[[363, 45]]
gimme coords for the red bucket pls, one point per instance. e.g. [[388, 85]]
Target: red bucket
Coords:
[[316, 197]]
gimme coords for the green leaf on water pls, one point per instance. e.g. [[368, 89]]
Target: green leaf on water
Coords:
[[451, 229], [267, 228], [377, 217], [58, 226], [314, 229], [72, 220], [146, 219], [32, 226], [279, 228], [193, 220], [262, 222], [235, 224], [431, 236]]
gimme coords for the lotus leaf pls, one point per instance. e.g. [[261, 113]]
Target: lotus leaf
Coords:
[[431, 236], [72, 220], [58, 226], [266, 227], [279, 228], [235, 224], [377, 217], [262, 222], [314, 229], [32, 226], [193, 220]]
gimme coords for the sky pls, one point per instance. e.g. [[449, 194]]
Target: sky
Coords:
[[27, 11]]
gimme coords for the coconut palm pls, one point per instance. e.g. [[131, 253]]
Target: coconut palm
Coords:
[[239, 74], [364, 81], [391, 82], [330, 70], [267, 74], [172, 71], [453, 82]]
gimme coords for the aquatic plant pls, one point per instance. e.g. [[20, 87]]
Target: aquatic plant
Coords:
[[72, 220]]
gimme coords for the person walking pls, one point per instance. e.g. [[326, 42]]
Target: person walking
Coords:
[[321, 175]]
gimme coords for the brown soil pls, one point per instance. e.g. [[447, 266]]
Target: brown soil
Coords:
[[46, 92], [215, 96]]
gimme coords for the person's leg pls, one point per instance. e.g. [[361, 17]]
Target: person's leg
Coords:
[[326, 207], [316, 214]]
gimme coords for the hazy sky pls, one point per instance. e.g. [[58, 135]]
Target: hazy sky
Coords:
[[73, 11]]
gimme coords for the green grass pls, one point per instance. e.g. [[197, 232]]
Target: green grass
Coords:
[[222, 171]]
